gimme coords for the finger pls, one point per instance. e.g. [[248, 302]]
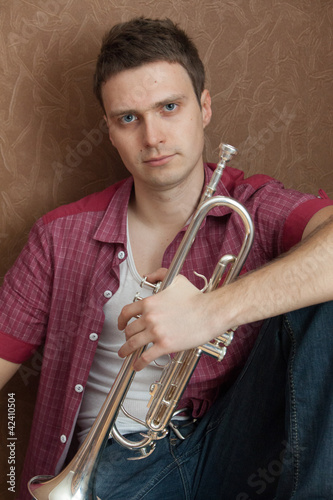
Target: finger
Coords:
[[133, 343], [128, 312], [157, 275], [147, 357], [134, 328]]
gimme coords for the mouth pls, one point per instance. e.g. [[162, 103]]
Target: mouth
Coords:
[[157, 161]]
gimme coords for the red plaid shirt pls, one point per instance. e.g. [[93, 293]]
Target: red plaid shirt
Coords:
[[55, 293]]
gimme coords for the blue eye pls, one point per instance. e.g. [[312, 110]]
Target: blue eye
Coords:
[[128, 118], [171, 106]]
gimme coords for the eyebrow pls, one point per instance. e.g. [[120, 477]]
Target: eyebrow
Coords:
[[156, 105]]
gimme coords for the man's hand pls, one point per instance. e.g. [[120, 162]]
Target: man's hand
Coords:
[[181, 317], [172, 320]]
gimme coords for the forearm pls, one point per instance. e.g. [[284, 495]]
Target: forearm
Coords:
[[181, 317], [7, 370], [302, 277]]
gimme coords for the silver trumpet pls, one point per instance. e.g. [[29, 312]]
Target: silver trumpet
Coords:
[[76, 481]]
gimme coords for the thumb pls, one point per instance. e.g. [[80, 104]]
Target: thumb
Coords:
[[157, 275]]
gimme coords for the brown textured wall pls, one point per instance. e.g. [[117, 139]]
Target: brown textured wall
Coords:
[[269, 69]]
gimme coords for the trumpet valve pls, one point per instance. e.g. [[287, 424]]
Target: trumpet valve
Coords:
[[152, 391], [214, 349], [218, 347], [226, 337], [155, 286]]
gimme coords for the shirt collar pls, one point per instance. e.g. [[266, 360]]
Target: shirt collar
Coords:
[[113, 227]]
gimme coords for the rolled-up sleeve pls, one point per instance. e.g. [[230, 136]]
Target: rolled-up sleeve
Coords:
[[280, 215], [299, 217], [25, 299], [15, 350]]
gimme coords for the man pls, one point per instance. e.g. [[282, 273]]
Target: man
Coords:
[[266, 432]]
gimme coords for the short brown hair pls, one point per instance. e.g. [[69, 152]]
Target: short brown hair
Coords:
[[141, 41]]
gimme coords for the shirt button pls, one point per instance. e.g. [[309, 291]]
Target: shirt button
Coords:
[[107, 294], [93, 336], [63, 438], [79, 388], [121, 254]]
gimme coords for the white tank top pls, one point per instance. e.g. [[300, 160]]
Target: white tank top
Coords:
[[107, 363]]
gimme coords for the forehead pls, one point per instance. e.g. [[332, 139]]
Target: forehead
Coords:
[[138, 88]]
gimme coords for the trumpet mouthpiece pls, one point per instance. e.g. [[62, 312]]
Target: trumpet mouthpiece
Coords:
[[226, 152]]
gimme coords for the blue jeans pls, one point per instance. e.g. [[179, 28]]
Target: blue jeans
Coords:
[[269, 437]]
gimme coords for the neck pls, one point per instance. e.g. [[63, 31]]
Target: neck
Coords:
[[156, 215], [167, 207]]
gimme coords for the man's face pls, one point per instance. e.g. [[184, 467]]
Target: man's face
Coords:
[[156, 123]]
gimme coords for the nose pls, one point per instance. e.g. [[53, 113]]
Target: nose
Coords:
[[153, 131]]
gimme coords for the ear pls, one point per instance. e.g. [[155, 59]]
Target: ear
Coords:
[[107, 124], [206, 108]]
